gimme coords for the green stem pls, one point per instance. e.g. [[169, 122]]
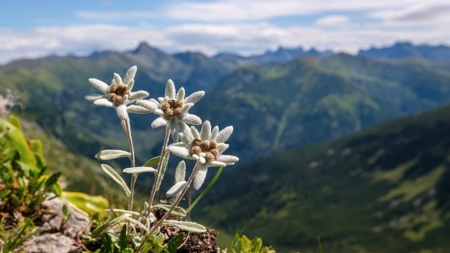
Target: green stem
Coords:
[[158, 170], [210, 185]]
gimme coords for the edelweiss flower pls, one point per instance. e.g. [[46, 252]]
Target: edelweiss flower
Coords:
[[206, 147], [119, 94], [173, 109]]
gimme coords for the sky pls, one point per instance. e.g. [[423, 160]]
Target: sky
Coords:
[[37, 28]]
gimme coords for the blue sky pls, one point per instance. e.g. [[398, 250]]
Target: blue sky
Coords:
[[30, 29]]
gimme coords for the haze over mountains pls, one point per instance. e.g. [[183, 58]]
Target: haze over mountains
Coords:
[[280, 101]]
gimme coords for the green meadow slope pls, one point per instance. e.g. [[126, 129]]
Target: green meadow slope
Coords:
[[383, 189]]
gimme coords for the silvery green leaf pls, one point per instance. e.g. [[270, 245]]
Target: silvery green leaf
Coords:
[[138, 95], [180, 94], [179, 151], [116, 177], [103, 102], [122, 211], [146, 206], [103, 228], [180, 172], [200, 176], [159, 122], [170, 89], [194, 97], [163, 169], [228, 159], [129, 76], [138, 170], [186, 226], [117, 79], [138, 223], [147, 104], [177, 211], [93, 97], [99, 85], [206, 130], [137, 109], [176, 188], [223, 135], [109, 154], [122, 112], [195, 133], [153, 161]]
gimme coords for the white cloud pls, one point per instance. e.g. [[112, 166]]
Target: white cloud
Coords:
[[208, 38], [333, 20], [114, 15], [247, 10], [419, 14]]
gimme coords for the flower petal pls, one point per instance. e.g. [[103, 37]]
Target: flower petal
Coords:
[[185, 108], [223, 135], [191, 119], [147, 104], [228, 159], [130, 85], [195, 133], [179, 151], [117, 79], [122, 112], [170, 89], [159, 112], [174, 130], [206, 130], [158, 122], [130, 75], [99, 85], [217, 164], [200, 177], [180, 94], [103, 102], [222, 147], [154, 101], [93, 97], [185, 138], [214, 133], [194, 97], [138, 109], [138, 95]]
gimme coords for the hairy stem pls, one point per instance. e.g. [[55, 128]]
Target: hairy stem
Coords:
[[158, 170], [178, 200], [127, 127]]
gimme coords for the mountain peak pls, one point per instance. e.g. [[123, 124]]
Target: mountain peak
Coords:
[[144, 47]]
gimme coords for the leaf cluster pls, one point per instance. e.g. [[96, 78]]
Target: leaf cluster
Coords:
[[24, 184]]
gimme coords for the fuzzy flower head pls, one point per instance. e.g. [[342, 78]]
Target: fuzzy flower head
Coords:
[[206, 147], [173, 108], [118, 95]]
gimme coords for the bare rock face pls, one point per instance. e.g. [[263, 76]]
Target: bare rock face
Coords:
[[59, 231]]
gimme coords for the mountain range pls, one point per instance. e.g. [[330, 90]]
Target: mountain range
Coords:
[[277, 102], [407, 50]]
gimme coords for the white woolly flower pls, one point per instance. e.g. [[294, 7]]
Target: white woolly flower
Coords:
[[206, 147], [173, 109], [118, 95]]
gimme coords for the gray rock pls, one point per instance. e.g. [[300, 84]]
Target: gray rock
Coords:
[[56, 236]]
